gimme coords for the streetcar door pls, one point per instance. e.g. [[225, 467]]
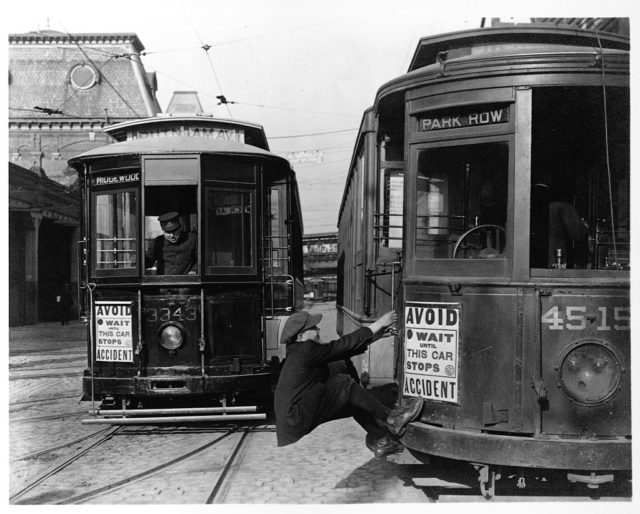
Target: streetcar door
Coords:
[[459, 192], [384, 261], [230, 255]]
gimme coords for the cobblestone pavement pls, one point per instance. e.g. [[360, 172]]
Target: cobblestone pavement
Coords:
[[329, 466]]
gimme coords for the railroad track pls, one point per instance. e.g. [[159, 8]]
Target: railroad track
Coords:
[[45, 399], [131, 484]]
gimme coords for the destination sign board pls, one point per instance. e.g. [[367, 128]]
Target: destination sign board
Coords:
[[432, 333], [174, 130], [441, 121], [114, 332], [114, 179], [304, 157]]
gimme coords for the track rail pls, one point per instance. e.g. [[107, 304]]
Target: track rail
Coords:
[[45, 399], [144, 474], [34, 483], [44, 451], [227, 472]]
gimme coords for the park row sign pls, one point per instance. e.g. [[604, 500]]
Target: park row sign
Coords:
[[459, 120]]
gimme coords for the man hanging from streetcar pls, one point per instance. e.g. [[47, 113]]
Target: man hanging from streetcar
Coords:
[[308, 394]]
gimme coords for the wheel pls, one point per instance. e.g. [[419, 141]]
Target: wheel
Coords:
[[481, 242]]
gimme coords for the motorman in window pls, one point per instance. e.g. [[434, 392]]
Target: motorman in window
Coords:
[[308, 395], [174, 252]]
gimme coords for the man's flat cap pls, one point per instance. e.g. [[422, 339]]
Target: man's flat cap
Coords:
[[298, 323], [167, 216], [169, 220]]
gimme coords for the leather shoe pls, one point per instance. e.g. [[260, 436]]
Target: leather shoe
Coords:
[[399, 418], [383, 446]]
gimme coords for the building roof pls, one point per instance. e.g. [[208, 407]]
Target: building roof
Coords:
[[53, 75], [30, 191], [54, 37]]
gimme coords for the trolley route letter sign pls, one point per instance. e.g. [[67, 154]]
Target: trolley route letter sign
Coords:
[[432, 332], [114, 332]]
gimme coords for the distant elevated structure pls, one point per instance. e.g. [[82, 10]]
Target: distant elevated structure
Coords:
[[320, 261]]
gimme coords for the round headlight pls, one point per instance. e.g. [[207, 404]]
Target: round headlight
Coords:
[[589, 372], [171, 337]]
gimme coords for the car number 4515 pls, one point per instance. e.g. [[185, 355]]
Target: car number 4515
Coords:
[[578, 318]]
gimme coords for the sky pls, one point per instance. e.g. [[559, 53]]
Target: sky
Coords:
[[305, 70]]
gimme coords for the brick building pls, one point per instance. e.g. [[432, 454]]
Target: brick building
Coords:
[[63, 90]]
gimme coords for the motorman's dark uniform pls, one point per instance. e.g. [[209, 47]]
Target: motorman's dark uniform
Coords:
[[174, 252], [173, 259]]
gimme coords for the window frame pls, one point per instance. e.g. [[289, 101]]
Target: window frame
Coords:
[[449, 266], [251, 270], [116, 272], [158, 164]]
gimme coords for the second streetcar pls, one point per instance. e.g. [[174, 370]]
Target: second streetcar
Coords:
[[191, 260]]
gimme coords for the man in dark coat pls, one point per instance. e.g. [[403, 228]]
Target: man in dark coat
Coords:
[[307, 395], [174, 252]]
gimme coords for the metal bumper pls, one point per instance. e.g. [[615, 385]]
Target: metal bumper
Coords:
[[502, 450], [176, 385]]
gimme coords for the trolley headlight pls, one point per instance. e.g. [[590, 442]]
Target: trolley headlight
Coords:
[[589, 372], [171, 336]]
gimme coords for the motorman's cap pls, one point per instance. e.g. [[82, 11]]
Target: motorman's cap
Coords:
[[169, 221], [298, 323]]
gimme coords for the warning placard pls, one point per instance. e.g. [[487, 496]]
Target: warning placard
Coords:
[[432, 332], [114, 332]]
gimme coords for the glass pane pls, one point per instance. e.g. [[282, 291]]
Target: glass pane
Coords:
[[462, 201], [229, 231], [276, 239], [580, 214], [228, 170], [116, 230], [392, 208]]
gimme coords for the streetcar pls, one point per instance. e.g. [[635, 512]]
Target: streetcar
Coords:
[[488, 202], [163, 339]]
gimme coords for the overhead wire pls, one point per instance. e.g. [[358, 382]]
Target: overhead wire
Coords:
[[233, 41], [314, 134], [206, 47]]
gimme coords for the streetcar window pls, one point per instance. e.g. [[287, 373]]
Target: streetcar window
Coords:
[[116, 230], [462, 201], [229, 230], [228, 170], [389, 219], [580, 178], [392, 203], [179, 257]]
